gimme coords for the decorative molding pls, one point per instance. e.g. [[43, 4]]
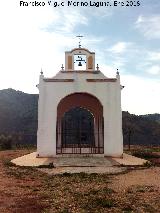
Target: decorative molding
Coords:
[[102, 80], [57, 80], [81, 72], [80, 49]]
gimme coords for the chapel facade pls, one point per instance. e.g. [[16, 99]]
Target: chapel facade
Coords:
[[79, 110]]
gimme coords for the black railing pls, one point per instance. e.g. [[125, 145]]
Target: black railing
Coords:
[[77, 133]]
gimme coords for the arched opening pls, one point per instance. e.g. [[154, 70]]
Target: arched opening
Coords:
[[79, 125], [78, 128]]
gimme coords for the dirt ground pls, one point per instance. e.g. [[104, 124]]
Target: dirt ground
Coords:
[[27, 190]]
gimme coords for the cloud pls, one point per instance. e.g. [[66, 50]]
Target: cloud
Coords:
[[67, 21], [140, 95], [26, 45], [109, 71], [72, 19], [119, 47], [150, 64], [154, 70], [149, 26], [154, 56], [120, 54]]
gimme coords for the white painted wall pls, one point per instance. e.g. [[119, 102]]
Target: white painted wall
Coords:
[[50, 94]]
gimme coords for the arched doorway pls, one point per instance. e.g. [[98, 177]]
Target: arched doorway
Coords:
[[79, 125], [78, 128]]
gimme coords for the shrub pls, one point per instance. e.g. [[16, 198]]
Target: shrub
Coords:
[[105, 203], [145, 154], [5, 142]]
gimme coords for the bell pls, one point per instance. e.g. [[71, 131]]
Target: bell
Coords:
[[79, 64]]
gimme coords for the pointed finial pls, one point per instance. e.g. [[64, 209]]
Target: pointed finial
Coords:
[[41, 72], [62, 67], [80, 36], [117, 72], [97, 67]]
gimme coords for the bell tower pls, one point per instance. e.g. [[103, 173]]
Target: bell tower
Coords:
[[79, 59]]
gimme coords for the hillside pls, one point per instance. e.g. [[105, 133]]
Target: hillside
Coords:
[[152, 117], [18, 116], [143, 129], [18, 113]]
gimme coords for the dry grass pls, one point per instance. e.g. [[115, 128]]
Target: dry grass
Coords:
[[151, 153], [28, 190]]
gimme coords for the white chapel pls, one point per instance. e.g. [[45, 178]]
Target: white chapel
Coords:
[[79, 110]]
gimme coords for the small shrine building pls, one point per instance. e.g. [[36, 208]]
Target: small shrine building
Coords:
[[79, 110]]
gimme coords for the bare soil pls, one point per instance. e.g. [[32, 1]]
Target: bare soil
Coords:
[[27, 190]]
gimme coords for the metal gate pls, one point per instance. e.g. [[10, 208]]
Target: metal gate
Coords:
[[79, 134]]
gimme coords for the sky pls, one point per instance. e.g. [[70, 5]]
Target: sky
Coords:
[[35, 37]]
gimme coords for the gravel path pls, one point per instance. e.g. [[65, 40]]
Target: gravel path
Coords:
[[89, 170], [148, 177]]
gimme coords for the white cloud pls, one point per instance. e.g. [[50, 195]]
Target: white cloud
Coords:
[[154, 56], [26, 45], [149, 26], [150, 63], [117, 54], [109, 71], [140, 95], [139, 20], [119, 47], [69, 19], [154, 70]]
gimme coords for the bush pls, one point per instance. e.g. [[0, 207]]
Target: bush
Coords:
[[144, 154], [5, 142]]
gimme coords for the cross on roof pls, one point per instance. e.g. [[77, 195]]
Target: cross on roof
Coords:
[[80, 36]]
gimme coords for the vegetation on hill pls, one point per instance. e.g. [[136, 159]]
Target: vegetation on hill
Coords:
[[18, 119], [152, 117], [18, 112], [142, 130]]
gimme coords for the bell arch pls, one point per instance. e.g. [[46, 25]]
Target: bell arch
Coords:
[[87, 102]]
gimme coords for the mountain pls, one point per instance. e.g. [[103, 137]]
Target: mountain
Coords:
[[18, 113], [152, 117], [142, 129], [18, 117]]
